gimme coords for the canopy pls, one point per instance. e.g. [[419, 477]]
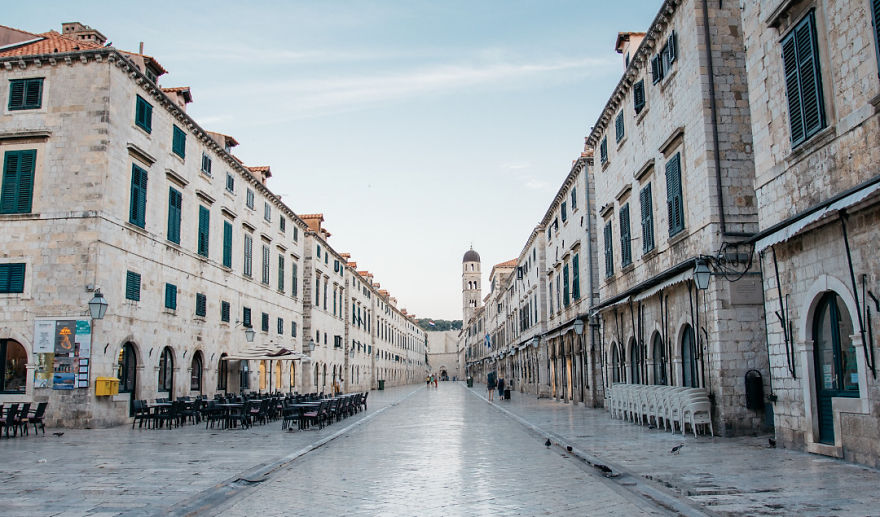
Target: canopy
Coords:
[[270, 352]]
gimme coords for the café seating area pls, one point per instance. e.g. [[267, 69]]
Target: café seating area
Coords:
[[18, 418], [661, 405]]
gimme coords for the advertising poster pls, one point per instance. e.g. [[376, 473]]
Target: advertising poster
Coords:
[[64, 377], [83, 338], [45, 369], [65, 336], [44, 331]]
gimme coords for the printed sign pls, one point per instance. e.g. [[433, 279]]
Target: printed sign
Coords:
[[44, 331], [64, 336]]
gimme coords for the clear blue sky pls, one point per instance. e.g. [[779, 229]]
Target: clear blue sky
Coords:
[[416, 127]]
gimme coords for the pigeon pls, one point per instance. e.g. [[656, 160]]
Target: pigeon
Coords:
[[676, 449], [568, 448], [604, 468], [547, 443], [58, 434], [771, 443]]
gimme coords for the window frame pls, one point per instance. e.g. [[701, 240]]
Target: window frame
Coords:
[[17, 189], [170, 296], [26, 85], [137, 207], [798, 115], [12, 277], [178, 141], [143, 114]]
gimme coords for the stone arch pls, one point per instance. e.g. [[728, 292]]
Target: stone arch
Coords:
[[811, 297]]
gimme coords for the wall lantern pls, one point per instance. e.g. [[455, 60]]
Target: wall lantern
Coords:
[[98, 305], [579, 327], [701, 274], [249, 334], [311, 345], [536, 341]]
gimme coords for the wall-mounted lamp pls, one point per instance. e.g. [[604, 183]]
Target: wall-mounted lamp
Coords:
[[536, 341], [249, 334], [98, 305], [702, 274], [579, 327]]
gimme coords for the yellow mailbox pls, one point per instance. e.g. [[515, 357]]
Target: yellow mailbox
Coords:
[[106, 386]]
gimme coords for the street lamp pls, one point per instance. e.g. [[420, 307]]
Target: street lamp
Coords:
[[311, 345], [536, 341], [98, 305], [701, 274], [579, 327], [249, 334]]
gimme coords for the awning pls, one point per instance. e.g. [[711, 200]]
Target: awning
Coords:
[[265, 353], [676, 279], [787, 231]]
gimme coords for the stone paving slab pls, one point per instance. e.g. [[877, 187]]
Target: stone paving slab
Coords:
[[735, 476]]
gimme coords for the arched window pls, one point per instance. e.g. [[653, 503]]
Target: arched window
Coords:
[[126, 368], [689, 358], [317, 375], [292, 376], [13, 372], [277, 375], [166, 370], [635, 363], [195, 377], [615, 363], [262, 367], [659, 354], [324, 379], [222, 373]]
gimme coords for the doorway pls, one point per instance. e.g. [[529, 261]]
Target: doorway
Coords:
[[835, 360]]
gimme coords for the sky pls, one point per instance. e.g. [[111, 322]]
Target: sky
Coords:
[[418, 128]]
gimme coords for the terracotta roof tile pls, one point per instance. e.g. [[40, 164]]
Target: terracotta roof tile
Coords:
[[52, 42], [509, 263]]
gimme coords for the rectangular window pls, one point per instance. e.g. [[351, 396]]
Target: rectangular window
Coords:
[[625, 240], [265, 276], [250, 199], [295, 234], [282, 224], [563, 212], [201, 305], [132, 286], [647, 204], [656, 69], [603, 150], [574, 202], [138, 204], [12, 278], [319, 251], [575, 278], [674, 206], [246, 317], [230, 182], [280, 326], [264, 323], [618, 127], [170, 296], [565, 295], [178, 142], [294, 282], [639, 96], [609, 251], [248, 256], [334, 301], [25, 94], [224, 312], [803, 81], [16, 193], [143, 114], [292, 329], [206, 164], [281, 273], [227, 244], [175, 204], [204, 230], [267, 211]]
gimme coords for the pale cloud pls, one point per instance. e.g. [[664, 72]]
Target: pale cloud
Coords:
[[535, 184], [516, 165]]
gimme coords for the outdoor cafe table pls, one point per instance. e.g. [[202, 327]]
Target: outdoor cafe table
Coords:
[[227, 408], [302, 407]]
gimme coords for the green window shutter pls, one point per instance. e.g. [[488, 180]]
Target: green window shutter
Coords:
[[280, 326], [16, 195], [248, 255], [574, 202], [672, 47], [227, 244], [803, 81], [675, 210], [264, 323], [564, 212], [143, 114], [575, 278], [138, 202], [201, 305], [204, 230], [178, 142], [224, 311], [656, 69], [265, 276], [12, 278], [618, 127], [25, 94], [170, 296], [294, 283], [175, 202], [132, 286], [639, 96], [609, 251], [625, 240], [16, 94], [647, 208], [292, 329], [565, 297], [603, 150], [246, 317], [281, 273]]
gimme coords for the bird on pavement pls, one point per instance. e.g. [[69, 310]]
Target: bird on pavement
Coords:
[[771, 443], [547, 443], [568, 448], [58, 434], [676, 449]]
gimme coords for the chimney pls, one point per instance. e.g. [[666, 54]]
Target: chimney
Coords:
[[81, 32], [627, 43], [141, 48]]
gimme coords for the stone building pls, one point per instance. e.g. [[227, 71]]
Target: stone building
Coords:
[[109, 186], [814, 94], [443, 356]]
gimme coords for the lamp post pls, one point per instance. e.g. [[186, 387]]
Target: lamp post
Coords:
[[702, 274]]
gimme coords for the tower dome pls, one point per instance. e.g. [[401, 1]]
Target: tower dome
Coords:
[[471, 256]]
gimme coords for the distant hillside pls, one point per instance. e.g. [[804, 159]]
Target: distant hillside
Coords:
[[439, 325]]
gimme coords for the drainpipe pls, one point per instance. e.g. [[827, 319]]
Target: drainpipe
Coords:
[[852, 274]]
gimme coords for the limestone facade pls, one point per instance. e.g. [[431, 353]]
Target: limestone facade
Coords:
[[443, 356]]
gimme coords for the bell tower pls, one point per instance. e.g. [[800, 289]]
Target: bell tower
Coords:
[[471, 291]]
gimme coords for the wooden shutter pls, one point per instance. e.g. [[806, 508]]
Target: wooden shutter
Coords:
[[603, 150], [803, 81], [625, 242], [224, 311], [18, 182], [565, 297], [656, 69], [575, 278], [178, 144], [132, 286], [204, 222], [294, 287], [672, 47], [639, 96], [175, 203], [12, 278], [673, 195], [227, 244], [618, 127], [647, 208], [201, 304], [246, 317], [16, 94], [138, 204], [170, 296], [609, 251]]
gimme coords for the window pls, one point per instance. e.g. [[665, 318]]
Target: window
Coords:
[[206, 164], [13, 369], [293, 329], [265, 278], [264, 323], [281, 273], [689, 359], [609, 251], [803, 80], [625, 241], [166, 370], [126, 368], [282, 224], [294, 284], [224, 311], [574, 203], [246, 317], [143, 114], [204, 230], [18, 181], [175, 204], [618, 127], [25, 94], [227, 244], [635, 363], [132, 286], [222, 373], [295, 234], [673, 195], [647, 207], [319, 251], [138, 204], [267, 211], [563, 211], [575, 278], [195, 379], [565, 292], [170, 296], [248, 255], [659, 361], [230, 182], [603, 150], [834, 351], [12, 278], [639, 96], [178, 142], [250, 199], [280, 326], [662, 61], [201, 304]]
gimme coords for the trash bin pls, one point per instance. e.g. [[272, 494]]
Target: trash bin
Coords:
[[507, 394], [381, 384], [470, 382]]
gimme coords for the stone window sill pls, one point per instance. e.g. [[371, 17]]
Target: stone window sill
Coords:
[[812, 144]]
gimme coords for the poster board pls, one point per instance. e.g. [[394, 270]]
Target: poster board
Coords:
[[63, 349]]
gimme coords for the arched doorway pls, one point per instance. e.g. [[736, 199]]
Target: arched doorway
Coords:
[[222, 373], [195, 376], [13, 369], [835, 359], [126, 372], [615, 364], [659, 355], [166, 372], [277, 379], [292, 376], [688, 358], [262, 367], [635, 364]]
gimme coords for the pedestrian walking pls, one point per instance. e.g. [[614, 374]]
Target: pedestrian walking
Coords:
[[491, 384], [427, 381], [435, 381], [501, 388]]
